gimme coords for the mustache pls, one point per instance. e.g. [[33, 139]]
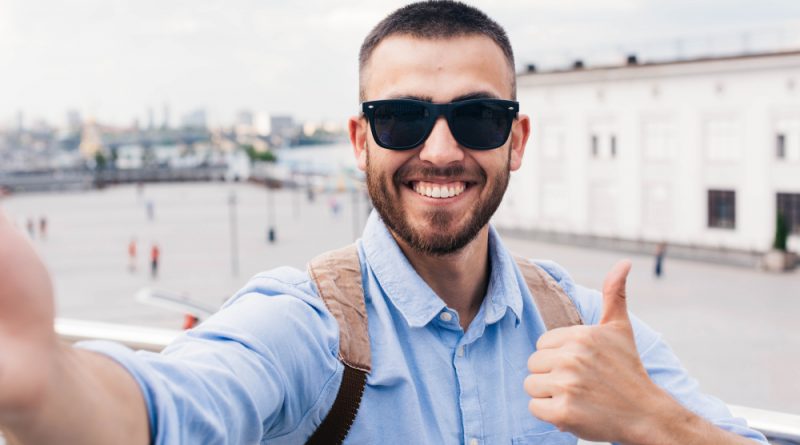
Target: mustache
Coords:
[[429, 171]]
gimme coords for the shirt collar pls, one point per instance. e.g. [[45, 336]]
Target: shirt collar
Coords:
[[415, 300], [503, 291]]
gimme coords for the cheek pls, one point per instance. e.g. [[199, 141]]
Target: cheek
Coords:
[[385, 163], [492, 163]]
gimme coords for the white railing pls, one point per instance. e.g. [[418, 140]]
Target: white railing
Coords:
[[775, 425], [135, 337]]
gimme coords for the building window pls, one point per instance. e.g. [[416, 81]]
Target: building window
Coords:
[[659, 140], [722, 141], [789, 207], [603, 141], [722, 209], [787, 140], [780, 146], [552, 139], [613, 146]]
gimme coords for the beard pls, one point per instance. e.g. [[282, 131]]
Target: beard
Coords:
[[441, 238]]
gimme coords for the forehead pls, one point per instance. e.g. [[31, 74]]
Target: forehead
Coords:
[[437, 69]]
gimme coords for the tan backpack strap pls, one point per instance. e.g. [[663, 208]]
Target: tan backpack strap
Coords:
[[555, 306], [337, 275]]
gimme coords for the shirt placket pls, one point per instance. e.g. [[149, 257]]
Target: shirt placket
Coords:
[[469, 401]]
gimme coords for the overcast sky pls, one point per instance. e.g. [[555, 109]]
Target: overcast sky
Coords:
[[112, 59]]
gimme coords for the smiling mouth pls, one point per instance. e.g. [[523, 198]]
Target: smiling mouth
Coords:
[[438, 190]]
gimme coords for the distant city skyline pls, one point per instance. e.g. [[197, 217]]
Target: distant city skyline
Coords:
[[116, 60]]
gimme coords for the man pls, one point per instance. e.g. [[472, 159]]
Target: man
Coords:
[[459, 351]]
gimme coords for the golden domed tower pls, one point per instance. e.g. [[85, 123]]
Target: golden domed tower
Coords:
[[91, 144]]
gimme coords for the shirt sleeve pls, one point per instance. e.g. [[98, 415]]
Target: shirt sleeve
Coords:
[[259, 368], [659, 360]]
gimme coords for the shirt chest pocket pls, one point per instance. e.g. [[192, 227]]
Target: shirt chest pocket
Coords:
[[554, 437]]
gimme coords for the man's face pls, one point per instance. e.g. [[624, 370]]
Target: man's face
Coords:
[[401, 183]]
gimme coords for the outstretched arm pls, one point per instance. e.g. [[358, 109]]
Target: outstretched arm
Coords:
[[50, 392]]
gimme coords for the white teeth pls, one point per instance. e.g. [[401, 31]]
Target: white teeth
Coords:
[[439, 190]]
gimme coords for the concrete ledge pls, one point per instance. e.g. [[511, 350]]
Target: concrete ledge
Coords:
[[731, 257]]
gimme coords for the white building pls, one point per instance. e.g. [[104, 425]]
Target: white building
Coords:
[[693, 152]]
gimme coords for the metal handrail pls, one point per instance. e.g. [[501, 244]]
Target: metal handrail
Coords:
[[775, 425]]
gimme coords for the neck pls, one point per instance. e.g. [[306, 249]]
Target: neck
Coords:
[[459, 279]]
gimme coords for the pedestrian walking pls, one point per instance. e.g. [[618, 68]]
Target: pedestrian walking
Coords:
[[151, 209], [661, 250], [132, 255], [43, 227], [333, 203], [155, 255], [30, 226]]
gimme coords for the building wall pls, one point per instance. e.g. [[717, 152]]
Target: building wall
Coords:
[[631, 152]]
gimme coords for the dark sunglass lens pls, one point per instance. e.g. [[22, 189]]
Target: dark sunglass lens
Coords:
[[400, 124], [481, 125]]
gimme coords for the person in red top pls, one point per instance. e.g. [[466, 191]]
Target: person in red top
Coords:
[[132, 255], [155, 253]]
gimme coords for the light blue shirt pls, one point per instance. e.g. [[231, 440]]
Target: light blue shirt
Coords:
[[264, 369]]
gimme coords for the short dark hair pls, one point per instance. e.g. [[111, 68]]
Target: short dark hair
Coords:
[[435, 19]]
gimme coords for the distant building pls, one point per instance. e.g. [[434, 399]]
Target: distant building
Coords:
[[166, 116], [74, 121], [283, 128], [694, 152], [243, 127], [20, 122], [244, 117], [195, 119], [262, 124]]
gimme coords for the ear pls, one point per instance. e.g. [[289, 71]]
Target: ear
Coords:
[[520, 132], [357, 128]]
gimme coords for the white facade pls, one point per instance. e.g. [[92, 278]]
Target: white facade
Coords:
[[632, 152]]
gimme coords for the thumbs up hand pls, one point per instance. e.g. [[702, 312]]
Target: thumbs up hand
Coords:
[[589, 380]]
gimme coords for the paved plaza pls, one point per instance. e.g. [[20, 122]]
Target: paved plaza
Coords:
[[736, 330]]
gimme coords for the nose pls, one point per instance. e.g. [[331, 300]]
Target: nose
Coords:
[[441, 148]]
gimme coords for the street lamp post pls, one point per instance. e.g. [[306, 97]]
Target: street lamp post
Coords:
[[234, 234], [271, 235]]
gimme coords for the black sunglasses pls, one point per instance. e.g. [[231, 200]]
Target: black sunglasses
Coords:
[[403, 124]]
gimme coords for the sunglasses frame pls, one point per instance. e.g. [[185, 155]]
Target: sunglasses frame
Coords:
[[434, 111]]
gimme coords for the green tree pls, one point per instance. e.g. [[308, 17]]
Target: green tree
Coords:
[[100, 160], [781, 232], [267, 156]]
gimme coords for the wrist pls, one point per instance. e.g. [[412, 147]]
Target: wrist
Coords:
[[661, 421]]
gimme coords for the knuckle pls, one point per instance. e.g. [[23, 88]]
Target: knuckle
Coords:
[[561, 415], [533, 409], [529, 384], [542, 341], [532, 360]]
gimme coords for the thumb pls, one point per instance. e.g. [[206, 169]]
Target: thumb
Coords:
[[615, 304]]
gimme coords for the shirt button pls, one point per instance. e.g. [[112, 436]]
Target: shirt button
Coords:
[[473, 441], [446, 316], [460, 353]]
